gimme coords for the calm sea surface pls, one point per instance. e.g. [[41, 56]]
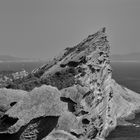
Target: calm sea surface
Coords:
[[125, 73]]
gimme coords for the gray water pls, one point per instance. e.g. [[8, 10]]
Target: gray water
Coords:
[[127, 74]]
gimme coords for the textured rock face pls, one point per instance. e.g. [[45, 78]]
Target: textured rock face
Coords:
[[43, 101], [83, 100], [9, 98]]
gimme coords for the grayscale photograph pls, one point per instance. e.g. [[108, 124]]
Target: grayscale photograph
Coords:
[[69, 69]]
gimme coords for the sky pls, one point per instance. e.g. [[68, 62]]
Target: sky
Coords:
[[43, 28]]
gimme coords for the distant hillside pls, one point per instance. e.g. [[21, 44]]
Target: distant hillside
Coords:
[[126, 57], [8, 58]]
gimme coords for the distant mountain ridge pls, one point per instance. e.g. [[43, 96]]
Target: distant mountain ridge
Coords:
[[126, 57], [114, 57], [9, 58]]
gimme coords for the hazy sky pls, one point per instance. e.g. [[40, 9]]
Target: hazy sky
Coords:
[[42, 28]]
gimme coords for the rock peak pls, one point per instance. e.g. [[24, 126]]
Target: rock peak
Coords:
[[81, 94], [103, 29]]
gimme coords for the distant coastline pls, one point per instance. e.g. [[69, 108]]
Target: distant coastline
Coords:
[[21, 61], [126, 61]]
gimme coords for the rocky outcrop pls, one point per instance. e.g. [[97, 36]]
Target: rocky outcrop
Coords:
[[40, 102], [9, 98], [82, 101]]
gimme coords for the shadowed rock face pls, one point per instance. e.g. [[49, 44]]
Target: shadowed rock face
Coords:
[[82, 99], [36, 129]]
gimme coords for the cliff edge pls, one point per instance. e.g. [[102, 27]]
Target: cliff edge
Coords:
[[76, 90]]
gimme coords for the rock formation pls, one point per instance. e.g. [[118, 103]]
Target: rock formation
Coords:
[[9, 98], [75, 97]]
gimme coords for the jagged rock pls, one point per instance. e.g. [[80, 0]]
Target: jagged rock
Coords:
[[9, 98], [87, 103], [60, 135], [40, 102], [102, 101]]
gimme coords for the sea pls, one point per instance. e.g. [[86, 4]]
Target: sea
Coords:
[[125, 73]]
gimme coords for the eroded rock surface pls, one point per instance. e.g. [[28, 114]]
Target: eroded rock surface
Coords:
[[43, 101], [9, 98], [82, 98]]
